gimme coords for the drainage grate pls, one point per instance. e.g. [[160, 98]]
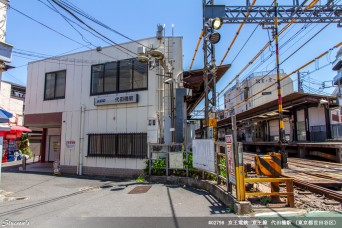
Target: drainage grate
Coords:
[[140, 189]]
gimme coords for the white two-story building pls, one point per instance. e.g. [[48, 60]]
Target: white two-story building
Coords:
[[100, 108]]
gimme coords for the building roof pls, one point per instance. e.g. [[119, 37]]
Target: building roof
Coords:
[[15, 84], [291, 101], [339, 52], [338, 62], [194, 80]]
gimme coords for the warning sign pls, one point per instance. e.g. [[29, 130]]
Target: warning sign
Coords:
[[230, 157], [212, 122]]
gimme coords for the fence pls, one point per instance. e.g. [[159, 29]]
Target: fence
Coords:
[[174, 157], [336, 131], [167, 157]]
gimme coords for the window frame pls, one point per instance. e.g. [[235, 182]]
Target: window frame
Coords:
[[117, 89], [115, 144], [55, 84]]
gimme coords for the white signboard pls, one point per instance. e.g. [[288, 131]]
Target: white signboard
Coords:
[[203, 154], [5, 52], [176, 160], [116, 99], [230, 155], [70, 144]]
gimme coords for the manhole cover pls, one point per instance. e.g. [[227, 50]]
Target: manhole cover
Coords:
[[140, 189]]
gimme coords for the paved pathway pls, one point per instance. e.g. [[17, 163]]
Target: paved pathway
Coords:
[[51, 199]]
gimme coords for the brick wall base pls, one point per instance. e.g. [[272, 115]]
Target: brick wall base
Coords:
[[101, 171]]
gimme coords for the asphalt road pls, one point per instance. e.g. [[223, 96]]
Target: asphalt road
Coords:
[[51, 201]]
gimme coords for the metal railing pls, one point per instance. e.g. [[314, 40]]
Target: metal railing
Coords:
[[336, 131], [167, 157], [164, 153]]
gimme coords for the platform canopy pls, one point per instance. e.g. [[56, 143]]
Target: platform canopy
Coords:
[[194, 80]]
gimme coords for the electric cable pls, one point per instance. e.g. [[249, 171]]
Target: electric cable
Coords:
[[237, 33], [288, 75], [91, 28], [11, 7], [86, 15], [195, 53], [311, 38], [266, 46]]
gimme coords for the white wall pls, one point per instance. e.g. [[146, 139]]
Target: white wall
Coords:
[[12, 105], [274, 127], [121, 118], [233, 95], [316, 116]]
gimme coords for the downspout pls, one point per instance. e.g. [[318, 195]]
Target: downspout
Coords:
[[80, 164]]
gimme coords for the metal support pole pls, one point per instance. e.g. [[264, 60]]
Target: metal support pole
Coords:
[[187, 162], [239, 171], [209, 69], [149, 160], [280, 102]]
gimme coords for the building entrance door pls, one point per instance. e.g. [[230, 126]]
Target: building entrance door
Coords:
[[54, 147]]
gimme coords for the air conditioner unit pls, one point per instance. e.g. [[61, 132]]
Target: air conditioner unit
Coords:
[[142, 50]]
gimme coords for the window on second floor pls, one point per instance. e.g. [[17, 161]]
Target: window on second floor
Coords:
[[122, 76], [55, 85]]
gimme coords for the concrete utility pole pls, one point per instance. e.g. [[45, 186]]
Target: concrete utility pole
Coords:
[[3, 13], [4, 49]]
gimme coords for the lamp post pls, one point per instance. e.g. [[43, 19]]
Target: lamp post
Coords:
[[212, 37]]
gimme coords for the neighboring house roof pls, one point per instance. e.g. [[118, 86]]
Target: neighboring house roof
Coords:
[[15, 84]]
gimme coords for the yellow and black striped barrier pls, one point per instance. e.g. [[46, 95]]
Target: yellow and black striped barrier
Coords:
[[270, 165]]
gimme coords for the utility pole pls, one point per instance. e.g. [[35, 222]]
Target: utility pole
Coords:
[[299, 82], [211, 21], [280, 100], [5, 56]]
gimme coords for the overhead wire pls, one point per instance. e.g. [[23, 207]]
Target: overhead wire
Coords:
[[195, 53], [70, 21], [46, 26], [73, 7], [237, 33], [265, 47], [118, 46], [288, 75], [244, 45], [310, 39], [272, 53], [66, 19]]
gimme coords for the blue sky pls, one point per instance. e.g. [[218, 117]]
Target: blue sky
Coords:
[[138, 19]]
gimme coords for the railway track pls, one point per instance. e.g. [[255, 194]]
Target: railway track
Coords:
[[314, 176]]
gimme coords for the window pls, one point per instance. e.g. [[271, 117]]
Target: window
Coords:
[[130, 145], [55, 85], [122, 76], [245, 92]]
